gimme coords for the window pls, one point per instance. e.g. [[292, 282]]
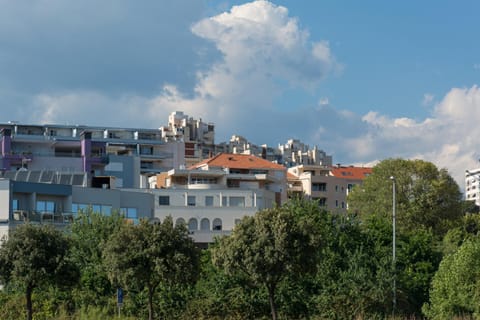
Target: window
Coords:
[[322, 202], [209, 201], [129, 213], [322, 186], [336, 203], [191, 200], [224, 201], [15, 205], [343, 205], [192, 224], [205, 224], [217, 224], [103, 209], [45, 206], [179, 222], [164, 200], [233, 183], [237, 201]]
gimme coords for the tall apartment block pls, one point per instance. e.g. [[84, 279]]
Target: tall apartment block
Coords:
[[198, 136], [129, 155], [290, 154]]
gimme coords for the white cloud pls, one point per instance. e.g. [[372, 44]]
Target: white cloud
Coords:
[[449, 138]]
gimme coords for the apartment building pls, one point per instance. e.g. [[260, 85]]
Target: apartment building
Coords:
[[131, 155], [57, 202], [213, 195], [472, 185], [198, 137], [329, 185], [290, 154]]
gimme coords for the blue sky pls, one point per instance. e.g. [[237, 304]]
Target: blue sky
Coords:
[[362, 80]]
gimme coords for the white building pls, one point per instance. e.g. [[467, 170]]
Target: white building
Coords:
[[212, 196], [472, 185]]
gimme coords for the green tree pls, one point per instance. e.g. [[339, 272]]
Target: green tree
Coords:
[[148, 255], [268, 247], [426, 197], [456, 285], [36, 256], [90, 231]]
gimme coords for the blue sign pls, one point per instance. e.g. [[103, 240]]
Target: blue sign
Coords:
[[119, 295]]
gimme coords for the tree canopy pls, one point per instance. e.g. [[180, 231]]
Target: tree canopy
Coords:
[[35, 256], [147, 255], [266, 248], [426, 197]]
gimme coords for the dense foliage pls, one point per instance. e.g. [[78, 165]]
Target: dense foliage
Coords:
[[296, 261]]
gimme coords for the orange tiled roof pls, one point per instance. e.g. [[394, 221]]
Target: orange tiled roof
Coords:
[[238, 161], [291, 176], [354, 173]]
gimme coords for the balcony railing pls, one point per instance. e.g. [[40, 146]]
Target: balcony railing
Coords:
[[43, 216]]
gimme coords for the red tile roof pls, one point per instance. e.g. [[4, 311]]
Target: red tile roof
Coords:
[[238, 161], [353, 173]]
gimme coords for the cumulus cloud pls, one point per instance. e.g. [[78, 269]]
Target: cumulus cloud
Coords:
[[448, 137], [91, 68], [263, 51]]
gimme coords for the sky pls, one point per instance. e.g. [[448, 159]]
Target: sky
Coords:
[[362, 80]]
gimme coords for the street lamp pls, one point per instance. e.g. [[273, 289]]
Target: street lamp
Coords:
[[394, 289]]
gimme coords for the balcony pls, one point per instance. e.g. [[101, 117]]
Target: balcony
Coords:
[[43, 217]]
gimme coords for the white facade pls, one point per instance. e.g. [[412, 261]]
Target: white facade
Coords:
[[210, 212], [472, 185]]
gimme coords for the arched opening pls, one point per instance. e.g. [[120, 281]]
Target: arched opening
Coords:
[[192, 224], [179, 222], [205, 224], [217, 224]]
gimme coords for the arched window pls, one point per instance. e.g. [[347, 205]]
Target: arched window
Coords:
[[179, 222], [192, 224], [217, 224], [205, 224]]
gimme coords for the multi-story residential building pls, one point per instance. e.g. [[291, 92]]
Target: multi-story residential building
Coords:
[[295, 152], [329, 185], [57, 201], [213, 195], [131, 155], [472, 185], [198, 136]]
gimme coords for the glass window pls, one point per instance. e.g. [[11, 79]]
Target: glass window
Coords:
[[106, 210], [319, 186], [96, 208], [209, 201], [180, 221], [191, 200], [205, 224], [164, 200], [224, 201], [237, 201], [217, 224], [45, 206], [192, 224], [15, 205], [322, 202]]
